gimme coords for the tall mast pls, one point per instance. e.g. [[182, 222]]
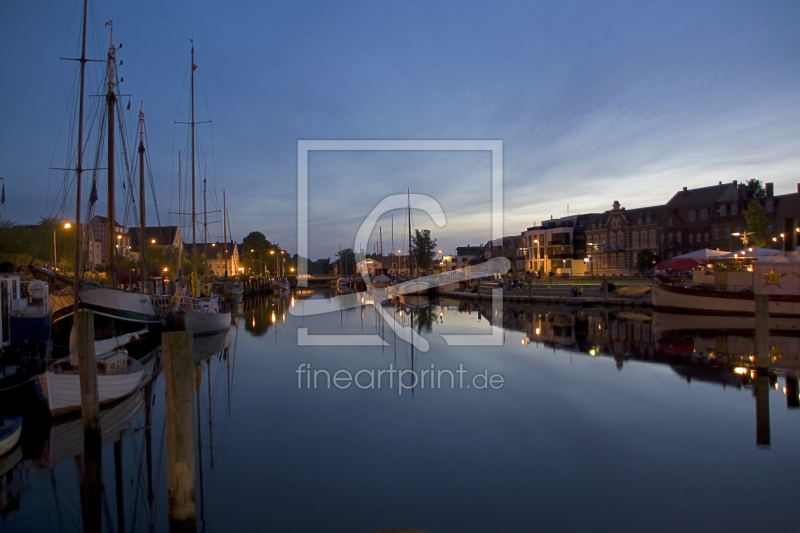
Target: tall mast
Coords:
[[409, 233], [205, 226], [393, 240], [224, 233], [79, 169], [180, 219], [194, 216], [142, 216], [111, 100]]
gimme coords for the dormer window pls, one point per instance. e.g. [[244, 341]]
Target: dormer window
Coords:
[[734, 209]]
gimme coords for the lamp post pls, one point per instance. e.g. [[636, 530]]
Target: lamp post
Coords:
[[272, 252], [536, 241], [67, 225], [743, 235]]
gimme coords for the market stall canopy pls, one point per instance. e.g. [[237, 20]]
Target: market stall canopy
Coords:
[[680, 263], [753, 251], [702, 254]]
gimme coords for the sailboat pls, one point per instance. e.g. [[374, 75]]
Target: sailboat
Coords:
[[201, 316], [232, 291], [124, 310], [118, 375]]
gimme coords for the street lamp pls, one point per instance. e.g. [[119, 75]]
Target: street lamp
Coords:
[[67, 225], [272, 252], [536, 241]]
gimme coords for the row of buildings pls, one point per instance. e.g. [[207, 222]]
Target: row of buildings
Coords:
[[165, 241], [609, 243]]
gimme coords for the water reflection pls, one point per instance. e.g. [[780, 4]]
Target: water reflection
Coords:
[[261, 458]]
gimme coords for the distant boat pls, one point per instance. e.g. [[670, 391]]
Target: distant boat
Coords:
[[10, 430], [201, 316], [230, 290]]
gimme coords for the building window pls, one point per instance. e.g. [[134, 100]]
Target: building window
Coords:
[[640, 221], [669, 222], [613, 241], [734, 209], [691, 237], [706, 236], [769, 206], [726, 233], [635, 239], [615, 223], [769, 228], [613, 260], [738, 228], [620, 240], [716, 233], [644, 238], [722, 210], [704, 214], [652, 237], [669, 237], [649, 220], [678, 236], [692, 215]]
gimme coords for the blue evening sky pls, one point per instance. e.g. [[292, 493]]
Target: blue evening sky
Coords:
[[595, 101]]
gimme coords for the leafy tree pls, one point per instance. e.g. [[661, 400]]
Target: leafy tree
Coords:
[[255, 252], [757, 223], [755, 189], [346, 261], [423, 248], [646, 259]]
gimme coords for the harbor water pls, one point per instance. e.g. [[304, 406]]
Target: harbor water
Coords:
[[566, 420]]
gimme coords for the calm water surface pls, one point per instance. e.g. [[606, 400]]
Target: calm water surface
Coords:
[[605, 421]]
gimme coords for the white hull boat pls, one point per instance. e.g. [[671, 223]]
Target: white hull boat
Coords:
[[674, 298], [121, 305], [61, 389], [10, 430]]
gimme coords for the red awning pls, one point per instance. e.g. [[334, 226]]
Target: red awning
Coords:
[[680, 263]]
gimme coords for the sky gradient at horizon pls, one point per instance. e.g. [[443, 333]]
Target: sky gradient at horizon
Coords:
[[594, 102]]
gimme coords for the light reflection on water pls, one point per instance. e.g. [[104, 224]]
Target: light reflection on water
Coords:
[[623, 421]]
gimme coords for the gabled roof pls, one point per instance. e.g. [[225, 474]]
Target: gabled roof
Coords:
[[216, 250], [164, 236], [727, 192]]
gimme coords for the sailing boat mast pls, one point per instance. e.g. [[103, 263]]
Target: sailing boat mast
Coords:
[[205, 227], [79, 168], [224, 233], [111, 100], [409, 233], [180, 220], [142, 216], [194, 216]]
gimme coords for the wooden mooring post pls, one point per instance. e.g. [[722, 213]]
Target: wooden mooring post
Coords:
[[92, 480], [179, 418], [762, 373]]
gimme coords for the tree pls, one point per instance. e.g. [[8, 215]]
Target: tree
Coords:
[[646, 259], [423, 248], [757, 223], [755, 189], [255, 252], [346, 260]]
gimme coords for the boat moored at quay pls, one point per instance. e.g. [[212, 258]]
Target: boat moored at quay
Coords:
[[728, 286]]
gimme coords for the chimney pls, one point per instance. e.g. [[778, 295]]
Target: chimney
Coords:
[[685, 189], [742, 191], [770, 190], [798, 187], [735, 182], [789, 234], [720, 183]]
